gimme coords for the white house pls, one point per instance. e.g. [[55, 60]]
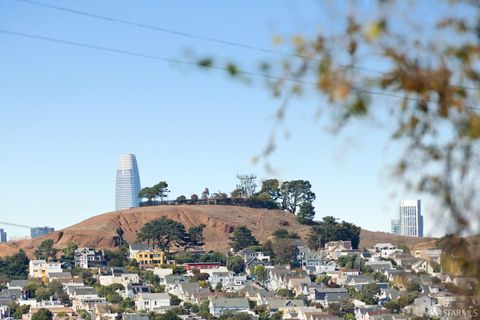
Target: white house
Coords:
[[162, 272], [152, 301], [89, 258], [229, 281], [124, 279], [385, 250]]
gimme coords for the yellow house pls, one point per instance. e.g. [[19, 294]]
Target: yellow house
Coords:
[[149, 257]]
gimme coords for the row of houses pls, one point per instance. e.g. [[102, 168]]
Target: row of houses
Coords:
[[226, 291]]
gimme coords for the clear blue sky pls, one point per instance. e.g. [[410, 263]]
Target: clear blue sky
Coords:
[[67, 113]]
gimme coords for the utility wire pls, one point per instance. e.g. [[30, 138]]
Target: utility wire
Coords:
[[147, 56], [204, 38], [196, 64]]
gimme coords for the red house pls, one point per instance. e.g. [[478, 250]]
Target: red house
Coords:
[[201, 265]]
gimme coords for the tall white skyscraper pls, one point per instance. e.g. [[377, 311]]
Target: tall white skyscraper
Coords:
[[128, 183], [410, 222]]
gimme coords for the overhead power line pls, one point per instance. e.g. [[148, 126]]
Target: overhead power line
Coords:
[[146, 56], [203, 38], [196, 64], [14, 225]]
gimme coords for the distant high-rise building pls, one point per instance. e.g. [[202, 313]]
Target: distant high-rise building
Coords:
[[128, 183], [40, 231], [3, 236], [410, 222], [396, 226]]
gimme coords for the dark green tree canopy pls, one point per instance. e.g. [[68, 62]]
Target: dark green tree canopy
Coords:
[[242, 238], [42, 314], [236, 264], [306, 214], [330, 230], [160, 190], [294, 193], [272, 188], [45, 250], [196, 237], [164, 233]]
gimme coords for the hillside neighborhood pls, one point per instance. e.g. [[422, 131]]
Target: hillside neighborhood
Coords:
[[147, 281]]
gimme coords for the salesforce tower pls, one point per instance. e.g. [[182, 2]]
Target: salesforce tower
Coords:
[[128, 183]]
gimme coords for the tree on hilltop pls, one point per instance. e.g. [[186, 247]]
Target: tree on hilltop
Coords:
[[147, 193], [181, 199], [194, 198], [272, 188], [294, 193], [159, 190], [306, 214]]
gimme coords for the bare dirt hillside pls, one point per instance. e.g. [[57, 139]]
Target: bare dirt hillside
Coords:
[[220, 221], [369, 238]]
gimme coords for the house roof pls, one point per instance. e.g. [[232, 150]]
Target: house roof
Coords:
[[255, 261], [393, 293], [266, 294], [359, 279], [140, 247], [282, 303], [174, 278], [230, 303], [134, 316], [192, 287], [9, 293], [4, 301], [153, 296], [17, 283], [336, 296], [83, 291], [246, 251], [59, 275], [330, 290]]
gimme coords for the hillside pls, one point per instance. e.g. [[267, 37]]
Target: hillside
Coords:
[[99, 231]]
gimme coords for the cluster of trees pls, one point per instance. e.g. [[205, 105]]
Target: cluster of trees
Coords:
[[16, 310], [15, 267], [329, 229], [46, 251], [43, 292], [294, 196], [42, 314], [159, 190], [164, 233], [281, 250]]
